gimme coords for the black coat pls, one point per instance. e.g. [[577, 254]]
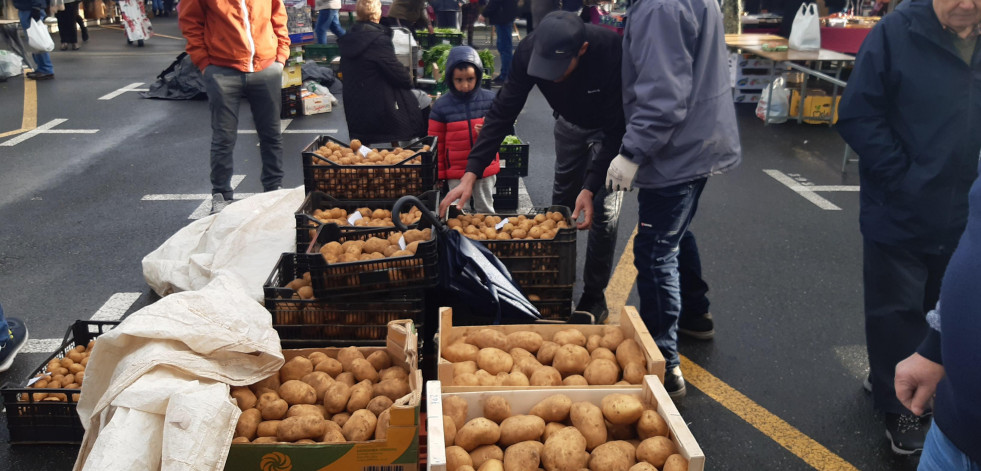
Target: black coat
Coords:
[[499, 12], [378, 101]]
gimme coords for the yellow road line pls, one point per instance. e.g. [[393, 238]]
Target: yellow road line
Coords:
[[787, 436], [154, 34], [29, 116]]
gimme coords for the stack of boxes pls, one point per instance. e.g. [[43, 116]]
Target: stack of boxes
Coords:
[[749, 75]]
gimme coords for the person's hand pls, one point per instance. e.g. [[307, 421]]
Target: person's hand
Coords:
[[584, 205], [477, 128], [916, 382], [36, 14], [481, 19], [621, 174], [461, 194]]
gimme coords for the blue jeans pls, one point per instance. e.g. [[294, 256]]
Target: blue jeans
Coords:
[[158, 5], [694, 302], [42, 59], [505, 47], [665, 214], [940, 454], [328, 20]]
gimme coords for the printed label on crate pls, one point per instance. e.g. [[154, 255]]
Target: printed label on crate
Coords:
[[501, 224], [402, 242], [354, 218], [364, 150], [34, 380], [504, 163]]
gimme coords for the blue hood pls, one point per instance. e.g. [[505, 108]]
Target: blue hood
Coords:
[[458, 55]]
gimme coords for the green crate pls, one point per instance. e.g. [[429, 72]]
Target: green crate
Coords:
[[321, 52]]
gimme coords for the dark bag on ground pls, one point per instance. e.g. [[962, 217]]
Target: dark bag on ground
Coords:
[[181, 81]]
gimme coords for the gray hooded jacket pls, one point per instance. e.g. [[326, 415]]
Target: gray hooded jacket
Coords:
[[681, 123]]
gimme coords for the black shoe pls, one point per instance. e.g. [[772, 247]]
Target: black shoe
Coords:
[[40, 76], [273, 188], [867, 383], [85, 34], [700, 327], [595, 306], [674, 383], [15, 339], [906, 432]]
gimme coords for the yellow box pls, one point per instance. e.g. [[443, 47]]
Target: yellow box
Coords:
[[292, 76], [817, 104]]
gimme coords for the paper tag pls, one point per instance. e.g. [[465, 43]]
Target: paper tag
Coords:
[[364, 150], [504, 163], [402, 242], [34, 380], [354, 218], [501, 224]]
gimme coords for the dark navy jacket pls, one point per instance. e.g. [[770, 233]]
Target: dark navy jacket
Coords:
[[501, 12], [912, 112], [28, 5]]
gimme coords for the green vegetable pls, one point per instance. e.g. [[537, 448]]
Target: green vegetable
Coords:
[[511, 141], [447, 31], [487, 58], [436, 55]]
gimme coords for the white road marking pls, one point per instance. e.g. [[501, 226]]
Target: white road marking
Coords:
[[524, 199], [809, 191], [294, 131], [204, 208], [41, 345], [45, 128], [129, 88], [112, 310]]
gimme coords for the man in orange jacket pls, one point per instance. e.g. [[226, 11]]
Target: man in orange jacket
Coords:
[[240, 47]]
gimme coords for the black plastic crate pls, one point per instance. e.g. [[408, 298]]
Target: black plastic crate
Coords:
[[35, 422], [290, 110], [323, 53], [371, 276], [553, 302], [514, 160], [291, 94], [428, 40], [337, 320], [506, 193], [371, 182]]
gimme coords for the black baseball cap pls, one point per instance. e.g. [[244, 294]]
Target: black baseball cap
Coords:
[[557, 40]]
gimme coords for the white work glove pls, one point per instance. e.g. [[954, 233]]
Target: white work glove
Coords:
[[621, 174]]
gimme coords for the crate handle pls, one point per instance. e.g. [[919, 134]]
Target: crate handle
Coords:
[[428, 215]]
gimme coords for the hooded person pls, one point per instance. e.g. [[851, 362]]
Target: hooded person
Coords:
[[456, 120]]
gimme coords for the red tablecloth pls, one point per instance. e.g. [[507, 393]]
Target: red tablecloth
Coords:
[[843, 40]]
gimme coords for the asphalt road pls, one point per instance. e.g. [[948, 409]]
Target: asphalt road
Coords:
[[784, 272]]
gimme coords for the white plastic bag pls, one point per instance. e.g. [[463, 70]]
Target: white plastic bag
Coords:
[[38, 37], [776, 98], [10, 64], [805, 35]]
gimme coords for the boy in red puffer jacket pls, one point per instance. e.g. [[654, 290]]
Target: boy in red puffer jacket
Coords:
[[456, 119]]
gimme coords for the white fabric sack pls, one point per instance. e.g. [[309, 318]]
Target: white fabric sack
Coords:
[[805, 34], [38, 37], [244, 241], [10, 64], [776, 98]]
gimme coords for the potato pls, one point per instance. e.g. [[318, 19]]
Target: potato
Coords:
[[621, 408], [524, 456], [336, 397], [457, 457], [602, 353], [330, 366], [393, 389], [247, 424], [554, 408], [244, 397], [643, 466], [612, 456], [449, 430], [588, 419], [333, 433], [551, 428], [381, 427], [379, 360], [271, 406], [546, 352], [569, 336], [460, 351], [575, 380], [516, 378], [240, 440], [295, 391], [466, 379], [271, 383], [492, 465], [565, 450], [340, 418], [476, 432], [261, 440], [488, 338], [612, 337], [464, 367], [347, 378], [526, 366], [347, 356], [378, 404], [675, 462], [628, 351], [456, 408], [363, 371], [570, 359], [393, 372], [317, 357], [602, 372], [360, 426], [496, 408], [634, 373], [530, 341], [482, 454], [296, 428], [656, 450], [520, 428], [320, 381], [651, 424], [306, 409], [268, 428], [360, 396], [546, 376], [295, 368], [494, 360], [593, 342]]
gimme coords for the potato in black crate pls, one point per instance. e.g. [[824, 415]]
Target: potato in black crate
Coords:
[[553, 302], [347, 172], [47, 414], [506, 193]]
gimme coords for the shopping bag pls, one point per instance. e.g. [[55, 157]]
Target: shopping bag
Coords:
[[776, 99], [38, 37], [10, 64], [805, 34]]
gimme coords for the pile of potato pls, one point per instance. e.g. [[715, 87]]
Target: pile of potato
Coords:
[[557, 434], [319, 399], [67, 372], [369, 217], [484, 227], [352, 155], [375, 248], [488, 357]]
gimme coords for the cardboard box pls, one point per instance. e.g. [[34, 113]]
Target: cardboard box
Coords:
[[315, 104], [630, 323], [740, 96], [399, 451], [522, 401], [817, 106], [753, 82], [292, 76]]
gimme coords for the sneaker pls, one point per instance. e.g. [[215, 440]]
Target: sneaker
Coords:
[[273, 188], [594, 306], [867, 383], [40, 76], [674, 383], [17, 337], [218, 203], [906, 432], [700, 327]]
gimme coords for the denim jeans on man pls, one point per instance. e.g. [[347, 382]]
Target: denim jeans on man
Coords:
[[665, 214], [226, 87], [505, 48], [694, 302], [575, 149], [158, 6], [42, 59], [940, 454], [327, 19]]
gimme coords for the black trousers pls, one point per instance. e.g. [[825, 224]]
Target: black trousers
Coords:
[[901, 287], [67, 19]]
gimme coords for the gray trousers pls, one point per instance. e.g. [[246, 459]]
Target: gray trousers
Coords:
[[226, 87], [482, 199], [575, 149]]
